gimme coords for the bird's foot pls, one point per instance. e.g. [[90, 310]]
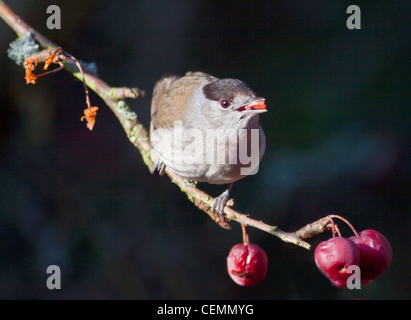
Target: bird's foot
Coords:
[[160, 167], [219, 203]]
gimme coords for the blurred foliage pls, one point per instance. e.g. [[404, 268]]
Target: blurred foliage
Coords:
[[338, 135]]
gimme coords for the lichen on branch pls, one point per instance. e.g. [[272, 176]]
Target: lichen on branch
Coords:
[[22, 48]]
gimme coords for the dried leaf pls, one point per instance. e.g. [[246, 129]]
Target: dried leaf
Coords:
[[90, 115]]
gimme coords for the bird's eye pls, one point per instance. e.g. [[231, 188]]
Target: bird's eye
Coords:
[[225, 104]]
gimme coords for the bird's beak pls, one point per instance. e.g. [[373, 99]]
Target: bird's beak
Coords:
[[255, 105]]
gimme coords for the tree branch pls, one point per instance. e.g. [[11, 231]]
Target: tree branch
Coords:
[[139, 137]]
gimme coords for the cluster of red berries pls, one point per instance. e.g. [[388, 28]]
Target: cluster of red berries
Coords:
[[367, 250]]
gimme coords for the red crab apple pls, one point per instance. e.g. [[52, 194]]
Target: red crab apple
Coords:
[[375, 254], [247, 264], [334, 256]]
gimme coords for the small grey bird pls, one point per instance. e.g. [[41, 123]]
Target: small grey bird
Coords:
[[207, 129]]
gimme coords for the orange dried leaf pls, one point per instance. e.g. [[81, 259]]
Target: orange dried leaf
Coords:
[[29, 66], [90, 115], [30, 77], [51, 58]]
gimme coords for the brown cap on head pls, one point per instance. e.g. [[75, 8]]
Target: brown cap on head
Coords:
[[226, 89]]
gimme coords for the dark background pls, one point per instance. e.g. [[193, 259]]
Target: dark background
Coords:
[[338, 141]]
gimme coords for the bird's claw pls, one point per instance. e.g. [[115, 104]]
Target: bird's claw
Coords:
[[160, 167], [219, 204]]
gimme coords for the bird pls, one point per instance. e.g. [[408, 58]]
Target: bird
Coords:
[[207, 129]]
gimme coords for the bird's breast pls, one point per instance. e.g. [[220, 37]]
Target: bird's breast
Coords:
[[215, 156]]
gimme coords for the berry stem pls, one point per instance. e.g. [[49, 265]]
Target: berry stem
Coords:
[[334, 228], [246, 239], [343, 219]]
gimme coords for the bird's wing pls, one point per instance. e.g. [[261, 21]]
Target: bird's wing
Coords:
[[170, 95]]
